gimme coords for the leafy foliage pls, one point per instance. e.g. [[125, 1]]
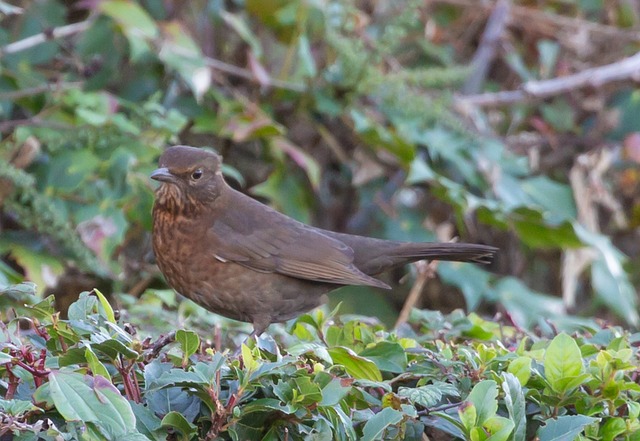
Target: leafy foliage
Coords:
[[340, 114], [91, 377], [324, 113]]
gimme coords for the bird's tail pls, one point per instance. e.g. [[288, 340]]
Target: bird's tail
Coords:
[[456, 252]]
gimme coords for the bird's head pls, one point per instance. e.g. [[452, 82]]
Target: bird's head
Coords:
[[189, 176]]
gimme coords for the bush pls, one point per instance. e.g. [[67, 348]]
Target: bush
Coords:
[[91, 377]]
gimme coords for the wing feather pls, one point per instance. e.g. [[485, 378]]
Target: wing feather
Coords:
[[273, 242]]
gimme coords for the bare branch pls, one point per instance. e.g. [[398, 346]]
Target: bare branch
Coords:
[[426, 271], [626, 69], [37, 90], [487, 48], [43, 37]]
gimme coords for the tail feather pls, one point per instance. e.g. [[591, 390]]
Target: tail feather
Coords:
[[393, 254], [457, 252]]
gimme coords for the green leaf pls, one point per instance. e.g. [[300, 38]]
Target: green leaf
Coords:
[[553, 196], [515, 404], [419, 172], [307, 67], [287, 193], [307, 392], [484, 397], [425, 396], [525, 306], [570, 383], [236, 23], [374, 428], [17, 407], [564, 428], [468, 415], [180, 52], [562, 360], [134, 23], [521, 369], [131, 17], [388, 356], [108, 310], [614, 290], [95, 364], [560, 115], [356, 366], [5, 358], [177, 377], [250, 363], [610, 280], [147, 422], [176, 421], [92, 400], [499, 427], [189, 343], [263, 404], [470, 279], [333, 392], [302, 159], [613, 428], [538, 231], [113, 348]]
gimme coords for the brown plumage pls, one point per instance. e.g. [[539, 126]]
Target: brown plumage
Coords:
[[241, 259]]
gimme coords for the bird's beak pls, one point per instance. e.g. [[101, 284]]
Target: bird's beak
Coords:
[[163, 175]]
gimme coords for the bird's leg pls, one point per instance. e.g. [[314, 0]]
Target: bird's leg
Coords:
[[258, 328]]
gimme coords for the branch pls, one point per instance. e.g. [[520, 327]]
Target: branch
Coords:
[[548, 24], [626, 69], [37, 90], [43, 37], [486, 52], [239, 71], [65, 31], [426, 271]]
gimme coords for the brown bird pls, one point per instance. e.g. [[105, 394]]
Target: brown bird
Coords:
[[243, 260]]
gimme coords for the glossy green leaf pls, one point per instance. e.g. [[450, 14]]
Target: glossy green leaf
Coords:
[[92, 400], [521, 369], [113, 348], [484, 397], [356, 366], [388, 356], [499, 428], [178, 422], [564, 428], [96, 366], [375, 427], [563, 361], [516, 405], [425, 396], [189, 342], [108, 310]]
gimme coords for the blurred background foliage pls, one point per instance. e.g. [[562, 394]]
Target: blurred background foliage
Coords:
[[367, 117]]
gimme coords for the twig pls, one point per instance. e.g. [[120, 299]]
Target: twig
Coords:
[[488, 46], [140, 286], [247, 74], [626, 69], [523, 16], [161, 343], [439, 409], [43, 37], [23, 93], [239, 71], [75, 28], [426, 271]]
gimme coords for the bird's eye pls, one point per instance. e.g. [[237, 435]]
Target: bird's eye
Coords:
[[197, 174]]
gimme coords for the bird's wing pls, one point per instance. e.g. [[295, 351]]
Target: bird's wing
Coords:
[[272, 242]]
